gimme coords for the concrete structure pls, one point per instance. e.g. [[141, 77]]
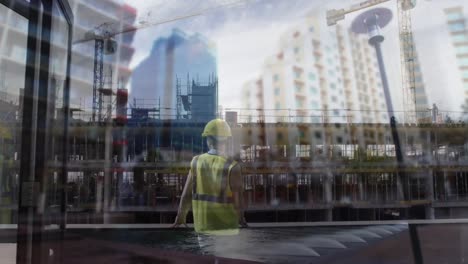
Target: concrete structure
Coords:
[[204, 103], [292, 173], [178, 55], [456, 22]]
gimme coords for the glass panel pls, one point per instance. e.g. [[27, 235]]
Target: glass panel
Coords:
[[310, 112], [55, 113], [13, 44]]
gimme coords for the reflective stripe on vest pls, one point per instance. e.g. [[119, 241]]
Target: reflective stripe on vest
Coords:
[[211, 198]]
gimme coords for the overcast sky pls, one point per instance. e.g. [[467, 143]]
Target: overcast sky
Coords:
[[246, 34]]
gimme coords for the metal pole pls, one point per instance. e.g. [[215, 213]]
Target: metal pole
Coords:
[[375, 41], [415, 244]]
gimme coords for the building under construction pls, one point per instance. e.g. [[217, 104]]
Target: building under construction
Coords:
[[132, 168]]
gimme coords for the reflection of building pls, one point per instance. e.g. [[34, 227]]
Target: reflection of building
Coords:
[[13, 52], [456, 22], [320, 74], [90, 14], [179, 55]]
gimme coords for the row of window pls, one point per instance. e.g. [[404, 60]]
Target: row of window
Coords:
[[457, 27], [461, 50], [311, 76], [454, 16], [462, 38]]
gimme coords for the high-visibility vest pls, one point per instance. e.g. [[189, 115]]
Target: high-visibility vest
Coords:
[[212, 201]]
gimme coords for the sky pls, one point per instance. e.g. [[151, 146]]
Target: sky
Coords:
[[247, 32]]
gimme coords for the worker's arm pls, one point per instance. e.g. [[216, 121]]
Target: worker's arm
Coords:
[[185, 202], [237, 188]]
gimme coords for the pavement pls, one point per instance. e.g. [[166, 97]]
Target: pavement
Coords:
[[440, 243]]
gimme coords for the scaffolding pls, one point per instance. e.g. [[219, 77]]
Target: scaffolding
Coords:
[[335, 180]]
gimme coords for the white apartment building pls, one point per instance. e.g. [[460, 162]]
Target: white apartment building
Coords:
[[456, 23], [321, 74]]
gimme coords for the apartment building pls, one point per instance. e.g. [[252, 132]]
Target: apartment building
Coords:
[[456, 22], [322, 74]]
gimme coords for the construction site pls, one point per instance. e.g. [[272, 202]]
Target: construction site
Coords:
[[132, 168], [127, 162]]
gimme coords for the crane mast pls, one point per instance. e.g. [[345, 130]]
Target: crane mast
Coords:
[[408, 60]]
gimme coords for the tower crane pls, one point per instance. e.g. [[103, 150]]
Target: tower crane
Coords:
[[407, 50], [105, 43]]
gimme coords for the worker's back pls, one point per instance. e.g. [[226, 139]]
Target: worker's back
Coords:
[[212, 201]]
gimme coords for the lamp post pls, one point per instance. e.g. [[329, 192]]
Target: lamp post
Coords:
[[371, 22]]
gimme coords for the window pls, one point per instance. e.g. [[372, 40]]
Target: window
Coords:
[[465, 74], [312, 76], [296, 50], [302, 151], [454, 16], [277, 91], [315, 119], [457, 27], [318, 135], [299, 102], [460, 38], [313, 90], [298, 88], [275, 77], [462, 49], [278, 105], [333, 86], [463, 61], [314, 104], [297, 74]]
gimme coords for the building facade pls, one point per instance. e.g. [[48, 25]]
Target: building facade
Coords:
[[456, 22]]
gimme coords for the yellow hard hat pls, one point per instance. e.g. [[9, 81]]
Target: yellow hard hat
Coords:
[[217, 128]]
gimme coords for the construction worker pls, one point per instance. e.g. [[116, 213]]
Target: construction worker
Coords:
[[214, 187]]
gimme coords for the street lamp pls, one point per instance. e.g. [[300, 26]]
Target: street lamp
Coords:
[[371, 22]]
